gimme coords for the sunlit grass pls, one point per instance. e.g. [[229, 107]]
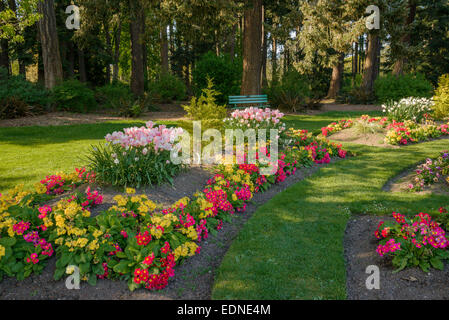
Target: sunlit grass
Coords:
[[292, 248]]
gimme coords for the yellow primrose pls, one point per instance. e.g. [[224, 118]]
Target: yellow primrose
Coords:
[[130, 191], [2, 251]]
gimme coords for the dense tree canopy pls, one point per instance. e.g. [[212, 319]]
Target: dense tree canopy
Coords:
[[135, 41]]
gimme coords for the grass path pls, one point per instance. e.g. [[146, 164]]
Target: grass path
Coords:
[[292, 247]]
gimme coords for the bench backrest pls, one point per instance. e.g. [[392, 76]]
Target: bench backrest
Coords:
[[261, 100]]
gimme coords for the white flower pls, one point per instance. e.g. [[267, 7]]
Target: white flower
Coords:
[[116, 161]]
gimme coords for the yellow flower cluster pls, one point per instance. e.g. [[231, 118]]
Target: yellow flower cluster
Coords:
[[187, 249], [164, 221], [144, 204], [190, 232], [184, 201], [2, 251]]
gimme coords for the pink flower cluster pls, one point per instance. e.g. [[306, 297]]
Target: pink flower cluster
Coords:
[[390, 246], [54, 184], [258, 114], [158, 138], [21, 227]]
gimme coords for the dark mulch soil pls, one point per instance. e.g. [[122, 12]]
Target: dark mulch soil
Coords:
[[193, 279], [401, 182], [360, 252]]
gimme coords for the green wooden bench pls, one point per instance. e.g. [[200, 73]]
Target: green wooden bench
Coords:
[[242, 102]]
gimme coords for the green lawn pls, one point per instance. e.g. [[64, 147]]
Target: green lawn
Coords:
[[292, 247]]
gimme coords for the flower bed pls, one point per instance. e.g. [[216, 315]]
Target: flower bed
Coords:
[[419, 242], [137, 156], [432, 171], [132, 240], [396, 133]]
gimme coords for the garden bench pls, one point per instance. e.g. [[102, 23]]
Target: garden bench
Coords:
[[241, 102]]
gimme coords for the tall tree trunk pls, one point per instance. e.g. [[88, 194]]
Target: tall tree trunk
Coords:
[[252, 49], [231, 41], [274, 60], [4, 48], [398, 68], [264, 81], [137, 64], [4, 55], [108, 50], [82, 65], [370, 64], [337, 76], [355, 60], [71, 59], [144, 46], [164, 50], [117, 35], [50, 44]]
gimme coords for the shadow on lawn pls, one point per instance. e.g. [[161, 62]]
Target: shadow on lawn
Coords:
[[28, 136]]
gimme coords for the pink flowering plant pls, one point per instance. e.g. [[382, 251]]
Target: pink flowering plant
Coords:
[[255, 118], [137, 156], [430, 172], [417, 242]]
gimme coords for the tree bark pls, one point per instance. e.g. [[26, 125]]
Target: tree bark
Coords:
[[116, 51], [82, 66], [137, 64], [370, 64], [71, 59], [108, 49], [231, 41], [355, 60], [50, 44], [264, 80], [4, 55], [252, 49], [164, 50], [337, 76], [274, 61], [398, 67]]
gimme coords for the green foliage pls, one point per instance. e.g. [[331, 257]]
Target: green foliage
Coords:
[[16, 86], [168, 88], [109, 95], [73, 96], [292, 93], [394, 88], [132, 168], [226, 73], [442, 97], [205, 107]]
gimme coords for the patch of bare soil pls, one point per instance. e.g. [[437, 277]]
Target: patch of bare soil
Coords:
[[193, 279], [369, 139], [330, 105], [360, 252], [401, 182], [166, 112]]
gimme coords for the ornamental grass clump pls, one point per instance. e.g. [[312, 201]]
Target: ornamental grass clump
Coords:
[[411, 108], [137, 156], [417, 242]]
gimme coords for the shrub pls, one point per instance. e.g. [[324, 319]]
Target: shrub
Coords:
[[415, 109], [442, 97], [168, 88], [395, 88], [16, 86], [136, 156], [12, 107], [292, 93], [205, 107], [418, 242], [73, 96], [109, 95], [226, 74]]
